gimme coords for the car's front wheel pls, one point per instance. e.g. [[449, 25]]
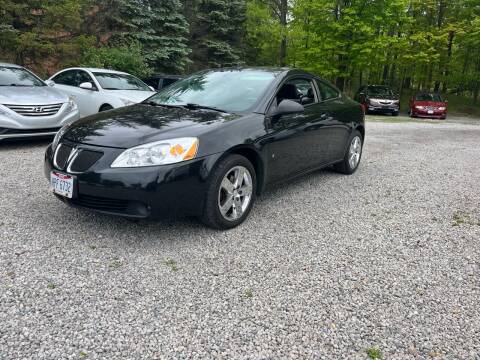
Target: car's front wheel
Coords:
[[353, 155], [231, 193]]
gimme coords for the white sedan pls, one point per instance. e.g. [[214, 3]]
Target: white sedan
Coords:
[[96, 90]]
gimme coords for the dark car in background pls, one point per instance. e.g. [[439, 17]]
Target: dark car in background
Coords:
[[380, 99], [160, 81], [206, 145], [428, 105]]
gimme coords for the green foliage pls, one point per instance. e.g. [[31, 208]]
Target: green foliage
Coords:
[[217, 32], [127, 58]]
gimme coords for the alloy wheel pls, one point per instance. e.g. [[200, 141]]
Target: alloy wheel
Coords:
[[355, 152], [235, 193]]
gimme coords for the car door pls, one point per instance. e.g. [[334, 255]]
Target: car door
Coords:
[[88, 100], [337, 123], [69, 82], [295, 142]]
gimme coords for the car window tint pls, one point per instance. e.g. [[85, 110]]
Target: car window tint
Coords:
[[66, 78], [298, 89], [153, 82], [83, 77], [326, 91], [167, 82]]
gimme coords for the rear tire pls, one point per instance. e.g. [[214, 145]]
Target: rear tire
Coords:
[[353, 155], [231, 193]]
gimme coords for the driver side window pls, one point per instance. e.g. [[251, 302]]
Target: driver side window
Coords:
[[66, 78], [300, 90]]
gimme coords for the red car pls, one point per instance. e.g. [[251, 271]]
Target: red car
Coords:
[[428, 105]]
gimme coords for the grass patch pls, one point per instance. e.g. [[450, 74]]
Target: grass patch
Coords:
[[172, 264], [374, 353], [82, 354], [51, 286], [248, 293]]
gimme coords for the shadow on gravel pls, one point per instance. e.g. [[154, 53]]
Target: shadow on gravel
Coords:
[[20, 144]]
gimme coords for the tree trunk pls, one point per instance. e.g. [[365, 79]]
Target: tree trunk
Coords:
[[283, 23]]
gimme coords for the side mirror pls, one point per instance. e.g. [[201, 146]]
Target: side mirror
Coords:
[[50, 82], [86, 86], [288, 107], [151, 88]]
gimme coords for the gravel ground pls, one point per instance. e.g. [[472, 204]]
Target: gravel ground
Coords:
[[326, 267]]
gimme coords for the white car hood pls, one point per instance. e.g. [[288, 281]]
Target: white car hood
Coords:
[[31, 95], [132, 95]]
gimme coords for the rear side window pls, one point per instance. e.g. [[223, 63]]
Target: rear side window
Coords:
[[327, 92], [66, 78], [167, 82], [153, 82]]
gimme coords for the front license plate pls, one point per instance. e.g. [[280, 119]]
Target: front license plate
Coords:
[[61, 184], [430, 112]]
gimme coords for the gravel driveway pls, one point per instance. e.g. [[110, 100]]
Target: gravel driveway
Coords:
[[334, 267]]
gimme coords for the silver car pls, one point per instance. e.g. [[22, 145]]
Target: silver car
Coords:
[[30, 108]]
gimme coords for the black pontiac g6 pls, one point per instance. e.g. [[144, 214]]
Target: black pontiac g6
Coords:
[[206, 146]]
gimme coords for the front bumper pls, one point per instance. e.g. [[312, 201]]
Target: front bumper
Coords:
[[383, 109], [13, 125], [157, 191], [437, 114]]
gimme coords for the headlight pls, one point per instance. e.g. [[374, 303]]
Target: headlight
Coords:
[[442, 108], [2, 112], [420, 107], [127, 102], [71, 105], [158, 153]]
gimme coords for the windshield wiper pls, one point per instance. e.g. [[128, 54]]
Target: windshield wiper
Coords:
[[15, 85], [198, 106], [153, 103]]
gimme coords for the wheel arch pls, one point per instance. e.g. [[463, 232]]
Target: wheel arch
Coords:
[[252, 154], [105, 104]]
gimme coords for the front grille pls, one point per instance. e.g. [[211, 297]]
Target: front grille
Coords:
[[102, 204], [84, 160], [61, 156], [35, 110]]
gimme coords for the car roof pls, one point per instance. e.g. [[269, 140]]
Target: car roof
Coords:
[[2, 64], [108, 71]]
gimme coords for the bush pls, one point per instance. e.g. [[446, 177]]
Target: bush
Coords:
[[127, 58]]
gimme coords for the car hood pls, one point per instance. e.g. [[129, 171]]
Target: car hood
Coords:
[[429, 103], [132, 95], [140, 124], [31, 95]]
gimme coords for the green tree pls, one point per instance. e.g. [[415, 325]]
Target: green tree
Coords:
[[217, 30]]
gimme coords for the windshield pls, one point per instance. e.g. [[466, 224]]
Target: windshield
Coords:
[[229, 90], [379, 91], [111, 81], [10, 76], [429, 97]]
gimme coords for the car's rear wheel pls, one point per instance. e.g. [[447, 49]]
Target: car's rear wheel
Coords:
[[231, 193], [353, 155]]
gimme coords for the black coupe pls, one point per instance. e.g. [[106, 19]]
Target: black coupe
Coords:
[[206, 145]]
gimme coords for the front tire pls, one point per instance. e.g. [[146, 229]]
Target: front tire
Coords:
[[230, 194], [105, 107], [353, 155]]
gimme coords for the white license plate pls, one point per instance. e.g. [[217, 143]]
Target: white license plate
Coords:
[[61, 184], [430, 111]]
